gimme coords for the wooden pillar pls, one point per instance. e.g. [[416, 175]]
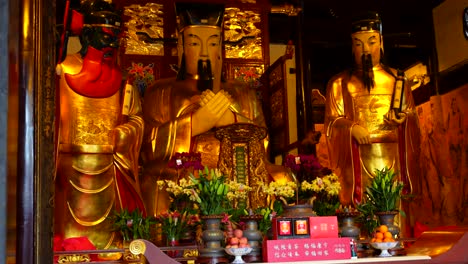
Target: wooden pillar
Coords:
[[36, 113], [4, 22]]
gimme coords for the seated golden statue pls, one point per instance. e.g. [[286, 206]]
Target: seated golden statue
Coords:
[[99, 143], [370, 118], [182, 114]]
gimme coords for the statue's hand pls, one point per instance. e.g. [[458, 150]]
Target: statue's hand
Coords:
[[206, 96], [392, 118], [123, 136], [211, 111], [361, 134]]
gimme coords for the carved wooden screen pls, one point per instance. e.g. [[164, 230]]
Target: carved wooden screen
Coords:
[[276, 106]]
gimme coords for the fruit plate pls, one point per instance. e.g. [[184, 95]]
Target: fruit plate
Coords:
[[384, 247], [238, 253]]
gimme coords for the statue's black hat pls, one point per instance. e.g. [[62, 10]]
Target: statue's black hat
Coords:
[[368, 21], [199, 14], [100, 12]]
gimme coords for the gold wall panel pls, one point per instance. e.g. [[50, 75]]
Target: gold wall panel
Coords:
[[145, 25], [242, 34]]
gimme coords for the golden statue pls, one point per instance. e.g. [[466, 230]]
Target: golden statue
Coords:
[[370, 118], [99, 135], [182, 113]]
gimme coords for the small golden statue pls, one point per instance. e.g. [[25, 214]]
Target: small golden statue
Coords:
[[370, 118]]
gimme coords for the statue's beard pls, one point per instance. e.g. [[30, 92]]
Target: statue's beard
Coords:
[[367, 72], [205, 75]]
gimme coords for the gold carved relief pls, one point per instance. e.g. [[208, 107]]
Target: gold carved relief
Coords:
[[74, 258], [145, 27], [242, 34]]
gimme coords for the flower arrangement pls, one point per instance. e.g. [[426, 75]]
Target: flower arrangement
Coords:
[[278, 194], [323, 191], [180, 193], [280, 191], [210, 192], [306, 167], [174, 224], [186, 160], [132, 225]]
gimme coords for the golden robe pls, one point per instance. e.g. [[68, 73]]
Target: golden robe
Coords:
[[97, 163], [349, 103], [167, 109]]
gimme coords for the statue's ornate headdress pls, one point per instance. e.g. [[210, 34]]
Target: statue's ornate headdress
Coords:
[[367, 22], [192, 14]]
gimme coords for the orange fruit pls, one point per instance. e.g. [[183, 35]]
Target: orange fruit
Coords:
[[383, 228], [378, 240], [388, 235], [373, 240], [388, 239], [379, 235]]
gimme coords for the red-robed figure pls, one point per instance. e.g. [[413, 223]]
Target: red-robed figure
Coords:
[[100, 132]]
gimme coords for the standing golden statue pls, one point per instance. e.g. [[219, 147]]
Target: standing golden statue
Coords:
[[100, 132], [181, 114], [370, 118]]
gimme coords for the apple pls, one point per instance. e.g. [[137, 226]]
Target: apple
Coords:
[[244, 245], [234, 246], [238, 233], [243, 240], [234, 241]]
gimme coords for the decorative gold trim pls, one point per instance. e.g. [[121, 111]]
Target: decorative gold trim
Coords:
[[137, 247], [73, 148], [190, 253], [104, 25], [74, 258], [93, 172], [87, 191], [91, 223]]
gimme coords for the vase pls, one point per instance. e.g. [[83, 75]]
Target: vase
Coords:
[[299, 210], [254, 236], [388, 219], [348, 226], [212, 236], [172, 242]]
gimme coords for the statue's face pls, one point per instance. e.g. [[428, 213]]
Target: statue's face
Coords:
[[202, 51], [105, 39], [366, 43]]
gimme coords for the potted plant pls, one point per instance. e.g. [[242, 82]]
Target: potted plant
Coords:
[[383, 195], [210, 191], [132, 225], [175, 224]]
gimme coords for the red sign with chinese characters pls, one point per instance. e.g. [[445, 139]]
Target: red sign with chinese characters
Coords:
[[306, 249], [323, 226]]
